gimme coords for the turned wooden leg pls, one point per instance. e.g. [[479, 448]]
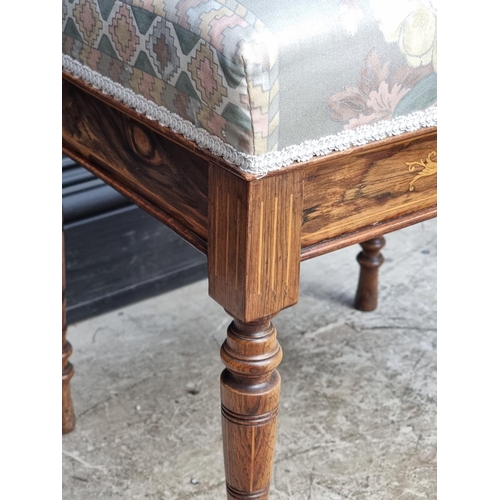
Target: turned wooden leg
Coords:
[[250, 388], [253, 272], [370, 259], [68, 414]]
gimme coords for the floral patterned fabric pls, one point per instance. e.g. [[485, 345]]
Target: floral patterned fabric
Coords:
[[262, 75]]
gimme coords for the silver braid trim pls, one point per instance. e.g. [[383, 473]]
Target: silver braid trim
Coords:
[[259, 165]]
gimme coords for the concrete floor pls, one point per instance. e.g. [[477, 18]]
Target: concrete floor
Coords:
[[358, 405]]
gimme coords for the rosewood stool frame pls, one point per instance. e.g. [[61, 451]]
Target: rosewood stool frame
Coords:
[[255, 233]]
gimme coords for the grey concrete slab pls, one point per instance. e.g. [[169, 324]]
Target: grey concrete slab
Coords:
[[358, 405]]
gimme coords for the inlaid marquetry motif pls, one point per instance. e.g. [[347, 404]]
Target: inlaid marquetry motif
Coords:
[[429, 168]]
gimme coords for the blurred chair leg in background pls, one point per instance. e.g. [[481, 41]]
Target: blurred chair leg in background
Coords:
[[68, 414], [370, 259]]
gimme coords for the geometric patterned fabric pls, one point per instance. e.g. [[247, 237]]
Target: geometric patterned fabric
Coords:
[[185, 55], [263, 76]]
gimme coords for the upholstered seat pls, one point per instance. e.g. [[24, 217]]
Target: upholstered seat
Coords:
[[262, 83]]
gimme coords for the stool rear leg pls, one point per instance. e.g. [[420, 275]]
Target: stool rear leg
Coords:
[[68, 414], [370, 259]]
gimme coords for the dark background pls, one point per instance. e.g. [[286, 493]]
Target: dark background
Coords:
[[116, 253]]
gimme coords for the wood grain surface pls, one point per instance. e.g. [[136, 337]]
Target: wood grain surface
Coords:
[[121, 149], [165, 132], [374, 231], [356, 189], [254, 242]]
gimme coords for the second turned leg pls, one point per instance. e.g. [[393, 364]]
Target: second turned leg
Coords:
[[68, 414], [370, 259], [250, 388]]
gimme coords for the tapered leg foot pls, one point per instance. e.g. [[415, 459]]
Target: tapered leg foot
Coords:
[[250, 388], [370, 259], [68, 414]]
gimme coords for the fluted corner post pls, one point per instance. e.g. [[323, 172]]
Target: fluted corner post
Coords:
[[68, 414], [370, 259], [253, 269]]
